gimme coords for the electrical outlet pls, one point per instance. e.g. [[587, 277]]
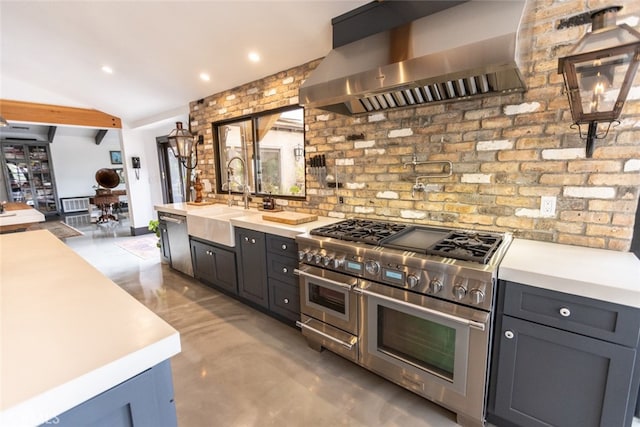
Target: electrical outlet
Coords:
[[547, 206]]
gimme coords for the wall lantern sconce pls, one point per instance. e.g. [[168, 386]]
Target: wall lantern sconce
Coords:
[[298, 152], [182, 144], [599, 71]]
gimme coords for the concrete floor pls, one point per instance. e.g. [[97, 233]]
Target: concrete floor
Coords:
[[240, 367]]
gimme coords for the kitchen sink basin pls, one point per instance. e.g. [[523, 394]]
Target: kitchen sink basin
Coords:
[[212, 224]]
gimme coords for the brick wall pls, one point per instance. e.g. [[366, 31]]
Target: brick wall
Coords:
[[507, 151]]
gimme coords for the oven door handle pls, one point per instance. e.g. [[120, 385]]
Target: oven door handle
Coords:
[[324, 279], [304, 325], [467, 322]]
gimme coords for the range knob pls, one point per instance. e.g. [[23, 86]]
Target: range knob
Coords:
[[459, 292], [477, 296], [326, 260], [318, 258], [435, 286], [309, 256], [372, 267], [301, 255], [337, 262], [412, 280]]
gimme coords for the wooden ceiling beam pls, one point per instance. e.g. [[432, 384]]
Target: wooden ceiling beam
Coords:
[[55, 114]]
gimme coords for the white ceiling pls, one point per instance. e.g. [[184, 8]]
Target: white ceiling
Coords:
[[52, 51]]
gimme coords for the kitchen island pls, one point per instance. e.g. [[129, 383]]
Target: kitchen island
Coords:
[[71, 336], [18, 216]]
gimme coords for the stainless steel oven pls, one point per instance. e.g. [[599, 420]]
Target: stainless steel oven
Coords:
[[416, 302], [435, 348], [329, 308]]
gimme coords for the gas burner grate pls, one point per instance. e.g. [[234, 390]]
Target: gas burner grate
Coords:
[[467, 246], [359, 230]]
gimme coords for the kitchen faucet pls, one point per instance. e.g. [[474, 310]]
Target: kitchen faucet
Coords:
[[245, 187]]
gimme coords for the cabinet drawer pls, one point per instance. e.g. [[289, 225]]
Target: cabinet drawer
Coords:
[[284, 299], [282, 246], [281, 268], [598, 319]]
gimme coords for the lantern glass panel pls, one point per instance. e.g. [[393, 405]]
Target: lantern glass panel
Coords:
[[600, 81]]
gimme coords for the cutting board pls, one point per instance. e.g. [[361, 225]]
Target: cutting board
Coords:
[[292, 218]]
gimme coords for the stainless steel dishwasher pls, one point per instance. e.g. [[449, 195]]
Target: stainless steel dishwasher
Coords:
[[179, 248]]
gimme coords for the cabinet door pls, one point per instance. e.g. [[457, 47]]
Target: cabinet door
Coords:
[[203, 261], [284, 299], [225, 275], [551, 377], [253, 266], [214, 266]]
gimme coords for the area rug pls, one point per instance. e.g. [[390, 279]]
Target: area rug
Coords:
[[144, 247], [57, 228]]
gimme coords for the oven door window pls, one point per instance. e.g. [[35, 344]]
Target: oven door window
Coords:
[[419, 342], [422, 343], [328, 299]]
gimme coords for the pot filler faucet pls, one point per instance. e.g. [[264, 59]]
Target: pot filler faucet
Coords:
[[245, 187]]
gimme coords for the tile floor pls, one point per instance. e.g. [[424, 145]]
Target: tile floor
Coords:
[[239, 367]]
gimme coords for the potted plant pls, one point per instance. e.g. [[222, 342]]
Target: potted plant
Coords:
[[154, 227]]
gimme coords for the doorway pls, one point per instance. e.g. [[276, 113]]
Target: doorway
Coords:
[[172, 173]]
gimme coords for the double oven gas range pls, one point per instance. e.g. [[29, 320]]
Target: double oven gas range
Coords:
[[411, 303]]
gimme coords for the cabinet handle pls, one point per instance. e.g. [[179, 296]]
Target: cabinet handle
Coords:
[[285, 270], [286, 300], [284, 247], [246, 239], [253, 241], [565, 312], [509, 334]]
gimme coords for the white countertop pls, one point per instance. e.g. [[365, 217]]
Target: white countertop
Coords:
[[68, 332], [21, 216], [257, 223], [182, 208], [593, 273]]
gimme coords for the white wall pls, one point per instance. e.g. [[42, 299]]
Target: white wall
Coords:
[[146, 191], [77, 158]]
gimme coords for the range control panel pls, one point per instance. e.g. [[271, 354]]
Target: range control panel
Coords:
[[436, 279]]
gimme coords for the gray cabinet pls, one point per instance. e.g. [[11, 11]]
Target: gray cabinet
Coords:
[[145, 400], [252, 266], [214, 265], [28, 174], [284, 291], [562, 360]]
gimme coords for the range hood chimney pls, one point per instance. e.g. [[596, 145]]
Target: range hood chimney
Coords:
[[459, 52]]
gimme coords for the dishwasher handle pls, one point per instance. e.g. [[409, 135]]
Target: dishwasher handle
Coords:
[[171, 219]]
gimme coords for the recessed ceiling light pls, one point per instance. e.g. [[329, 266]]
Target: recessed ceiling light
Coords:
[[254, 57], [107, 69], [205, 77]]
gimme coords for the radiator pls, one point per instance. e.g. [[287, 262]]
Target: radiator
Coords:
[[75, 204], [78, 220]]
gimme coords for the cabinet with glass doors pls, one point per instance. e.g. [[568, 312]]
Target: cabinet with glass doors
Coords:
[[28, 176]]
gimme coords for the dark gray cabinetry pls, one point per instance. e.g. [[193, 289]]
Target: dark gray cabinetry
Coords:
[[562, 360], [252, 266], [214, 265], [145, 400], [284, 291]]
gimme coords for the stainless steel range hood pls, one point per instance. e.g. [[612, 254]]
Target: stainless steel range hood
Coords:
[[464, 51]]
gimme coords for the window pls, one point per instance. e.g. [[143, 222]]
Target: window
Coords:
[[266, 150]]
